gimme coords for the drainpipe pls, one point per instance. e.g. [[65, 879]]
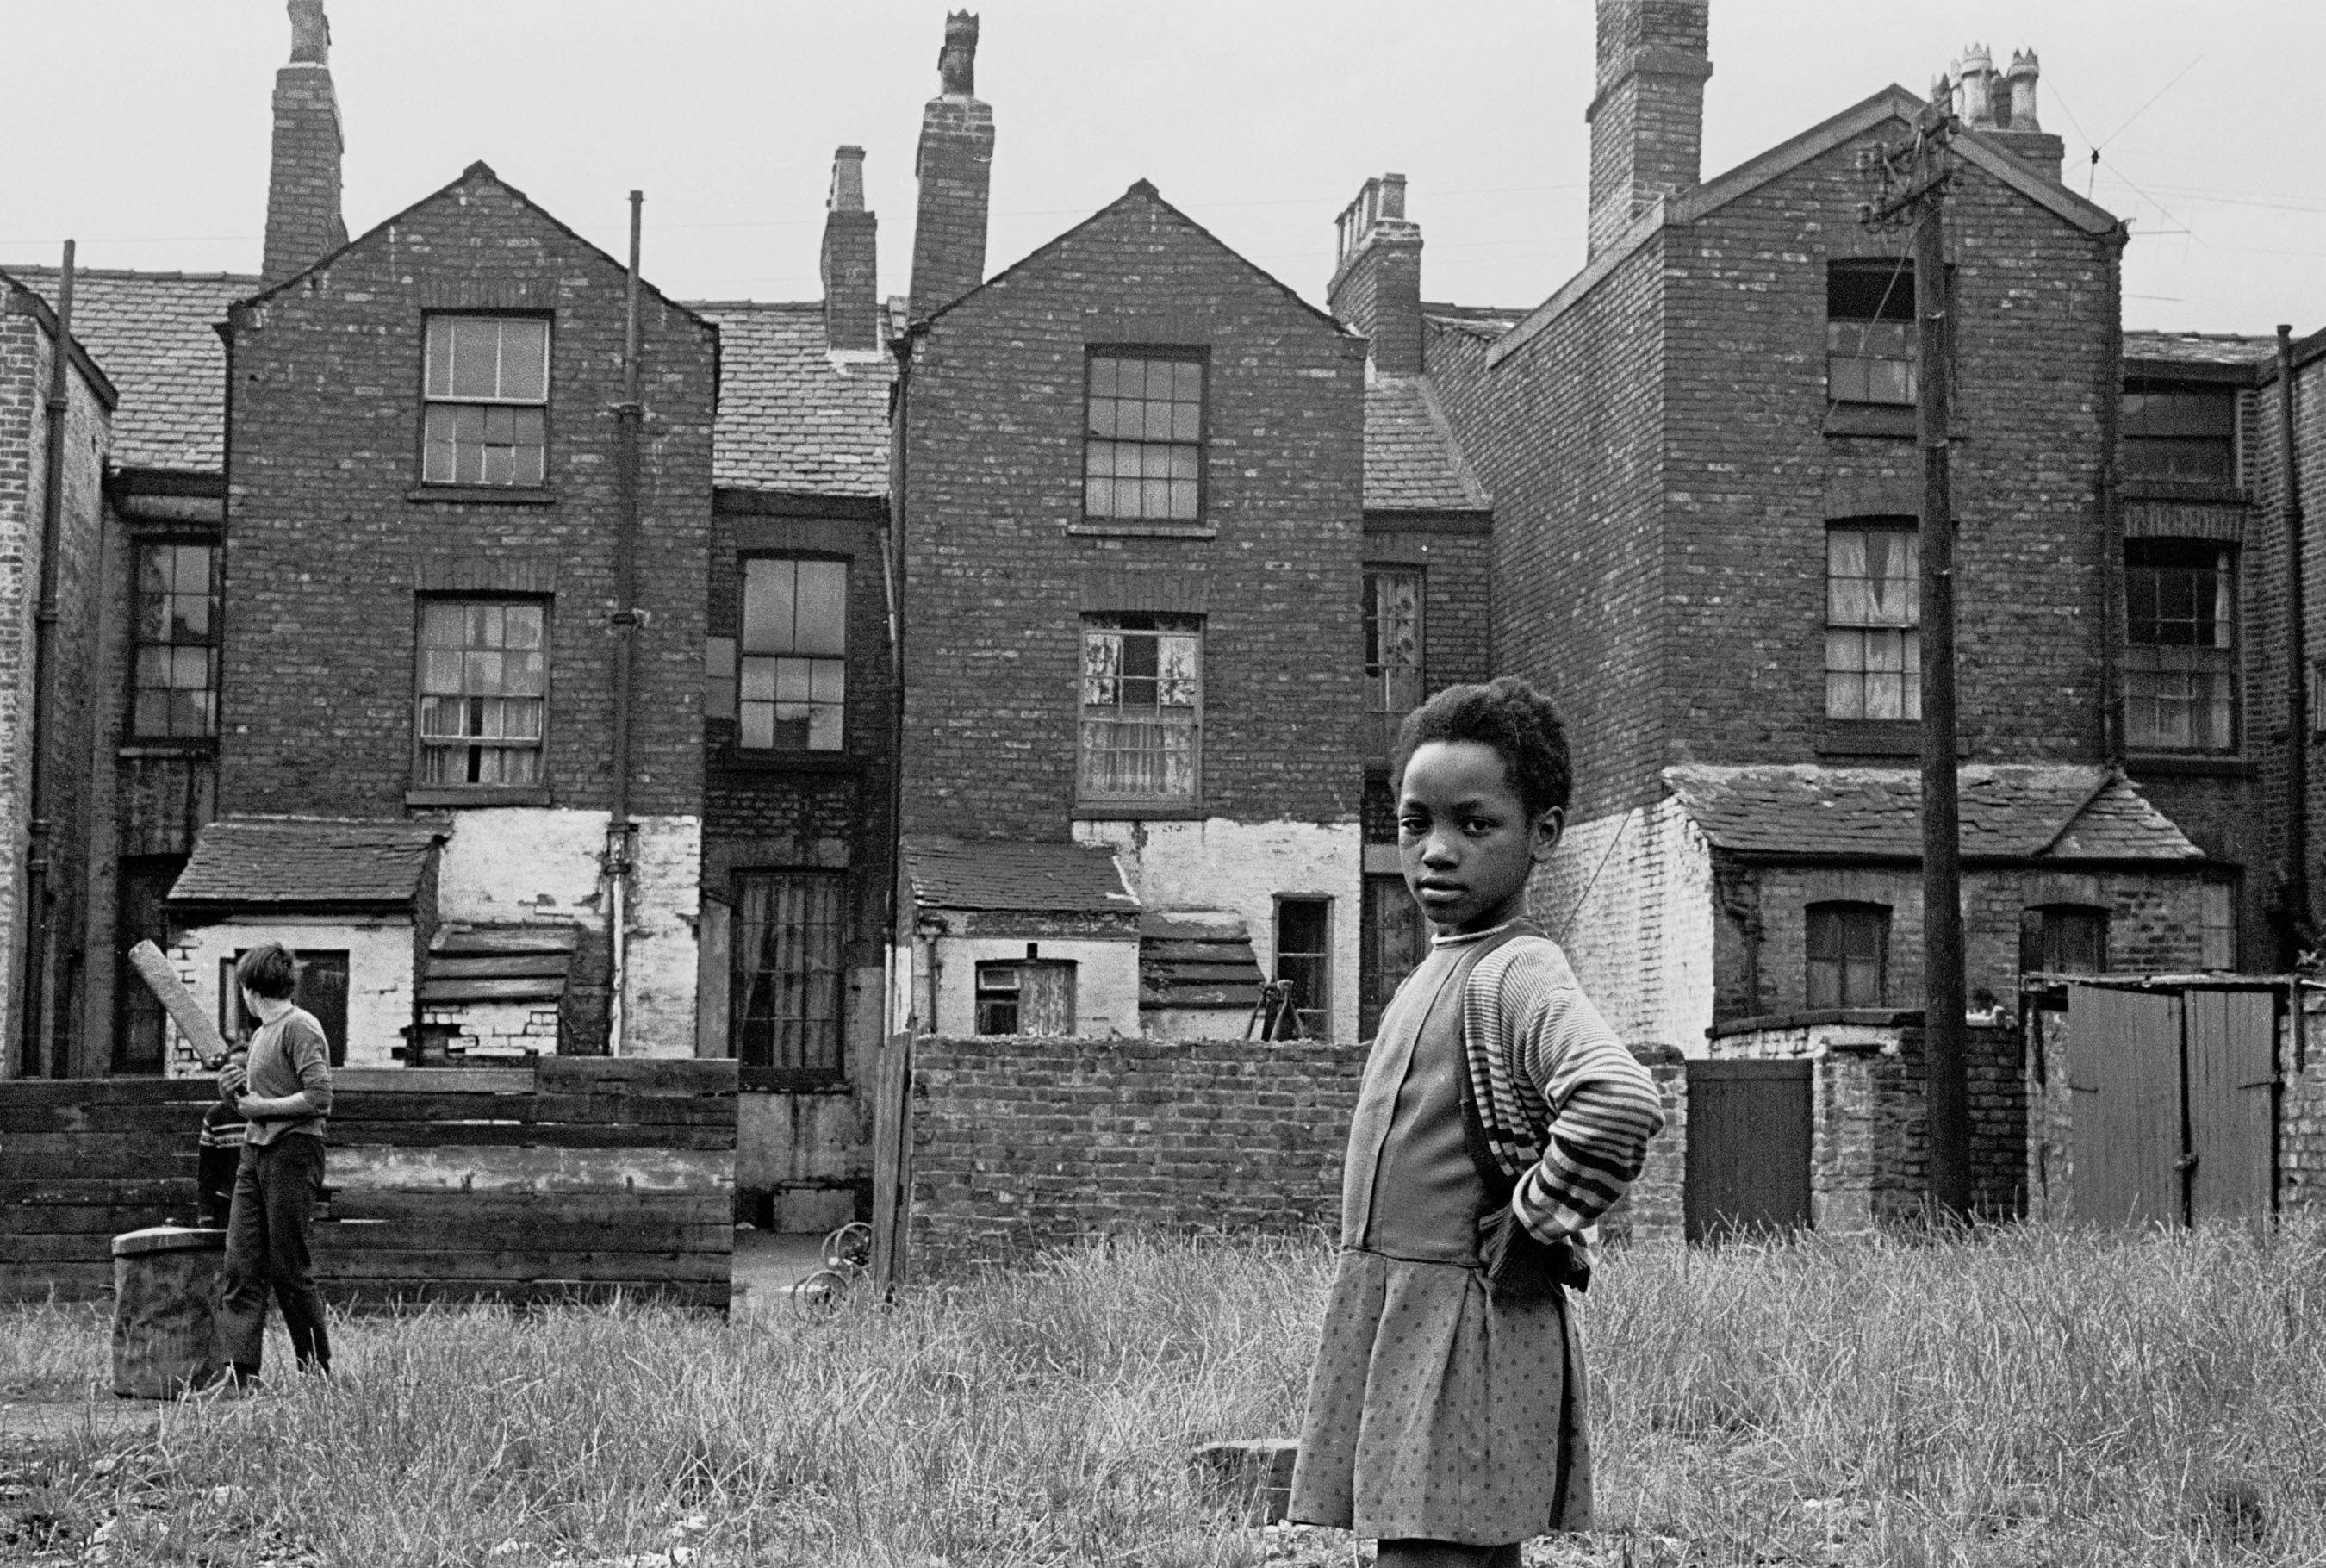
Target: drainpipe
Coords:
[[619, 830], [32, 995], [892, 562], [2297, 682]]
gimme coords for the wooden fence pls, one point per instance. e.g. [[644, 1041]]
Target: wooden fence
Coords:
[[576, 1177]]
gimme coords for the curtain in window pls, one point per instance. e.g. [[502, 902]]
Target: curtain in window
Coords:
[[787, 992], [1140, 690], [1394, 640], [1873, 650]]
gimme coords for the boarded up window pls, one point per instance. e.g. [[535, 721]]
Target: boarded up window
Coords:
[[1027, 996]]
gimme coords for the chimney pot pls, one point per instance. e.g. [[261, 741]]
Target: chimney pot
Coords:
[[2022, 77], [1975, 72]]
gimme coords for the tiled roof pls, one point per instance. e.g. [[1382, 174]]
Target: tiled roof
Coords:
[[152, 332], [1412, 462], [2201, 347], [790, 417], [292, 859], [2007, 812], [994, 873]]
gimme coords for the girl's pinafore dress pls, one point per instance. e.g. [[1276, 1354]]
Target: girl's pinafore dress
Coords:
[[1434, 1413]]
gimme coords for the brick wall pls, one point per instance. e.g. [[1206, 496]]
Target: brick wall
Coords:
[[329, 542], [1629, 899], [1655, 1208], [1030, 1143], [1000, 563]]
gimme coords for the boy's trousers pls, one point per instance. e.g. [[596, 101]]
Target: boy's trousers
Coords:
[[266, 1238]]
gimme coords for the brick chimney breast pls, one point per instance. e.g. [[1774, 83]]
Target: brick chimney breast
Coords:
[[1647, 120], [955, 169], [1376, 286], [850, 263], [304, 218]]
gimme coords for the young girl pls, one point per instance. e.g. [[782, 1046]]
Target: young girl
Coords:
[[1498, 1118]]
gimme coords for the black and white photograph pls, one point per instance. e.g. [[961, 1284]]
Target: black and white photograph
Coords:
[[1511, 784]]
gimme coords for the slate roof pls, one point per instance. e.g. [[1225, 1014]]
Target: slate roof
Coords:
[[1412, 462], [2008, 812], [995, 873], [307, 860], [1487, 322], [152, 332], [790, 416], [2201, 347]]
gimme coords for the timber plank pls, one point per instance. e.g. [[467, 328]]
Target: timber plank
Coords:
[[530, 1208], [63, 1282], [531, 1170], [546, 1109], [634, 1075], [37, 1193], [526, 1264], [90, 1218], [111, 1117], [456, 967], [109, 1091], [153, 1165], [101, 1153], [43, 1249], [517, 987], [491, 1134], [440, 1080], [461, 1232]]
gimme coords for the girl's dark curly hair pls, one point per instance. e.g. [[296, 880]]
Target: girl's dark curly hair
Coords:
[[1509, 716]]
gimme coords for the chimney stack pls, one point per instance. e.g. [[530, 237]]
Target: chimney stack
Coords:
[[851, 292], [1974, 75], [1376, 286], [1647, 122], [955, 168], [304, 222], [2001, 105]]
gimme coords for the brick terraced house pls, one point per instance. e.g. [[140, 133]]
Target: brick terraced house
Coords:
[[1706, 487]]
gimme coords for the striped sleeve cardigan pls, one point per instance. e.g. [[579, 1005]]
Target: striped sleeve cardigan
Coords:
[[1568, 1110]]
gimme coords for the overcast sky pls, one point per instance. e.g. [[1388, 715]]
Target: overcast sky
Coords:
[[140, 126]]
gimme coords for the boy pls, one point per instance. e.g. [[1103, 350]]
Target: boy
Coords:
[[284, 1093], [1498, 1118]]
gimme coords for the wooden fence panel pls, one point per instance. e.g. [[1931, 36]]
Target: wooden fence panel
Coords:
[[2123, 1079], [2232, 1102], [576, 1178]]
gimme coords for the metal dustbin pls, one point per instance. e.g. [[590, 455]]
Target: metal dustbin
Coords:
[[165, 1288]]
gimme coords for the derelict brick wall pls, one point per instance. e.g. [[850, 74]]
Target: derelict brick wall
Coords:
[[1026, 1143], [998, 567], [326, 546], [1752, 478], [1564, 434]]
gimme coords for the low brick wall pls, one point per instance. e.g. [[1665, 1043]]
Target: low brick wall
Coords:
[[1020, 1143], [1869, 1152], [1655, 1209]]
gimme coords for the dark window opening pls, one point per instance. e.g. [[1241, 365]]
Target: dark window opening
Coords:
[[2063, 939], [1395, 938], [321, 990], [2180, 433], [141, 1029], [1848, 954], [1870, 348], [1303, 958]]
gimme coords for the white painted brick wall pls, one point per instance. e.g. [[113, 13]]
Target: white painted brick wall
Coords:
[[1629, 899]]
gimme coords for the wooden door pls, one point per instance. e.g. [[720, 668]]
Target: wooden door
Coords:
[[1046, 999], [2231, 1053], [1748, 1147], [2123, 1082]]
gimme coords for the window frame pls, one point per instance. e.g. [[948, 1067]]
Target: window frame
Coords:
[[985, 995], [2228, 572], [1898, 274], [806, 1074], [723, 656], [1199, 356], [428, 320], [2042, 925], [131, 732], [2227, 441], [425, 790], [1125, 805], [1315, 1014], [1379, 674], [1841, 911], [1910, 702]]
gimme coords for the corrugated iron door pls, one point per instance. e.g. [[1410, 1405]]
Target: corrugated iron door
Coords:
[[1748, 1147], [2123, 1079], [2232, 1102]]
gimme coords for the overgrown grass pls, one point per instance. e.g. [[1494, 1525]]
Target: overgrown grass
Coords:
[[2023, 1396]]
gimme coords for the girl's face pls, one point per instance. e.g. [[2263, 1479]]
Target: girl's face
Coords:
[[1466, 839]]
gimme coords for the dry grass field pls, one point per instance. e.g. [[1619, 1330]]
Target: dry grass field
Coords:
[[2022, 1398]]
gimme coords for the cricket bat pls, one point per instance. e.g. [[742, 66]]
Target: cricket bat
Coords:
[[178, 1003]]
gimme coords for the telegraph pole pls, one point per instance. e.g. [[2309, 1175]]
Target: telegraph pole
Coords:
[[1923, 171]]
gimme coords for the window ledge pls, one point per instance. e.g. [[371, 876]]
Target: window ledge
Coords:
[[161, 748], [775, 761], [442, 797], [1143, 528], [2197, 491], [2189, 764], [1902, 419], [1875, 738], [1132, 811], [488, 495]]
